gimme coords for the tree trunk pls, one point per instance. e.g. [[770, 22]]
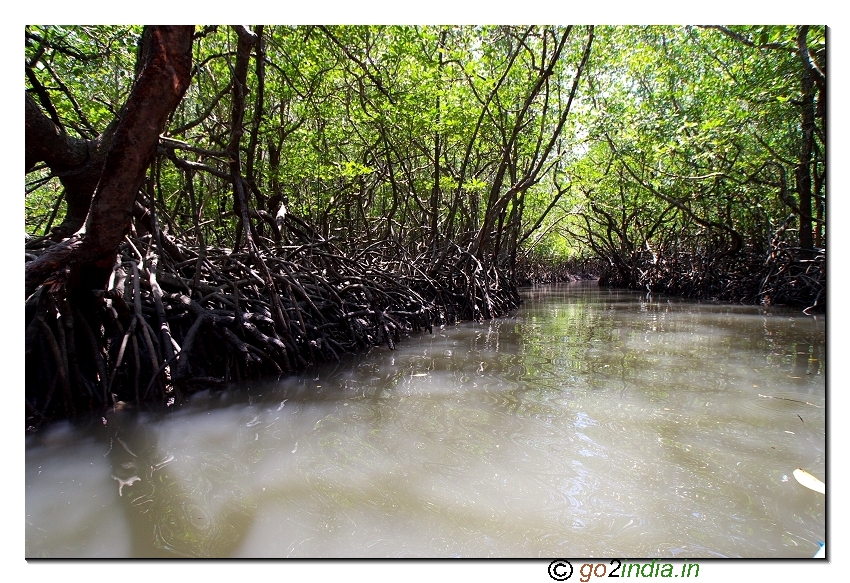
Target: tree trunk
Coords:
[[164, 76], [77, 162], [804, 165], [435, 189]]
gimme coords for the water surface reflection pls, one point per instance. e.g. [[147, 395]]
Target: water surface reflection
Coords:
[[593, 423]]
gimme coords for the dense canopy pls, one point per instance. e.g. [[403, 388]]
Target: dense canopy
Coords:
[[209, 203]]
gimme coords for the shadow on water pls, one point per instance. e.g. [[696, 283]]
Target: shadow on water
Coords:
[[177, 504]]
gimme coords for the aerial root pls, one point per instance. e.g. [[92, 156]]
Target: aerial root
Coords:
[[165, 325]]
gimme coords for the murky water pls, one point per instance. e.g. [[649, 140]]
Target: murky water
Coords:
[[591, 424]]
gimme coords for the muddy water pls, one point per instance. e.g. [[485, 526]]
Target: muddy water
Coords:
[[590, 424]]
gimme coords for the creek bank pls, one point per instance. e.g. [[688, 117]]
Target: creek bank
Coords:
[[785, 275], [176, 317], [537, 271]]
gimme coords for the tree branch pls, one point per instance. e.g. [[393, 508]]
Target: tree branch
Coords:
[[163, 80]]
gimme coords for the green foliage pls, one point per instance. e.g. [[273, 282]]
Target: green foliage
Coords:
[[352, 117], [88, 71], [696, 120]]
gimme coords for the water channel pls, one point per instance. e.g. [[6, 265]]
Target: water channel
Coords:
[[593, 423]]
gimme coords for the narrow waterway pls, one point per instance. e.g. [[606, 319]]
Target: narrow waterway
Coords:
[[593, 423]]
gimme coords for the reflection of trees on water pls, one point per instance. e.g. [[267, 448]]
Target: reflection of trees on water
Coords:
[[192, 505], [797, 350], [807, 362], [625, 340]]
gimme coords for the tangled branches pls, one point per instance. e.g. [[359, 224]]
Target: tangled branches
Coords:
[[175, 317], [786, 275], [535, 271]]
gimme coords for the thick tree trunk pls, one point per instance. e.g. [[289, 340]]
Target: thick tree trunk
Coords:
[[164, 76]]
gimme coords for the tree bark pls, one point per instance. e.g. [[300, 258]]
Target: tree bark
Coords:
[[435, 189], [164, 76], [804, 167], [77, 162], [247, 39]]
